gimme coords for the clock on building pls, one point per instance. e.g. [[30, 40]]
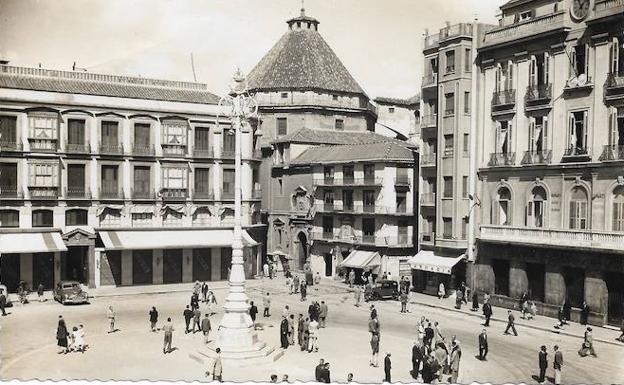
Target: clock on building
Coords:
[[580, 9]]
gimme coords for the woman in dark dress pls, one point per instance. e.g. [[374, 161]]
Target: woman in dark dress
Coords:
[[61, 336]]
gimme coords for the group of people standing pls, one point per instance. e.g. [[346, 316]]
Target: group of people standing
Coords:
[[70, 341], [307, 328]]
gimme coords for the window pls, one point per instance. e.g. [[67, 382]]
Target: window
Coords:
[[142, 180], [450, 62], [464, 187], [464, 228], [538, 134], [76, 131], [334, 97], [580, 60], [467, 60], [8, 129], [228, 182], [328, 225], [339, 124], [448, 145], [504, 76], [539, 70], [175, 177], [282, 126], [501, 207], [536, 207], [43, 174], [8, 179], [229, 143], [44, 127], [202, 180], [347, 199], [172, 218], [449, 104], [466, 144], [368, 227], [503, 137], [75, 217], [174, 133], [9, 218], [202, 138], [467, 102], [447, 232], [76, 179], [368, 198], [618, 209], [448, 187], [616, 55], [110, 180], [578, 209], [110, 218], [141, 135], [401, 202], [328, 174], [202, 216], [526, 15], [141, 219], [42, 218], [391, 110], [369, 173], [109, 134], [284, 95], [577, 134], [280, 186], [328, 197], [348, 173], [616, 131]]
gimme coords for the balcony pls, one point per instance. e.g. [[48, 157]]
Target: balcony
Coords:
[[431, 41], [503, 100], [174, 193], [428, 121], [207, 195], [502, 159], [228, 154], [428, 160], [606, 8], [143, 150], [108, 149], [449, 70], [612, 152], [427, 199], [77, 148], [551, 23], [427, 238], [462, 29], [77, 193], [537, 157], [614, 85], [111, 192], [175, 150], [142, 194], [205, 153], [576, 154], [10, 146], [538, 94], [43, 192], [11, 192], [367, 181], [403, 240], [586, 239], [43, 145], [227, 195], [429, 80], [402, 181]]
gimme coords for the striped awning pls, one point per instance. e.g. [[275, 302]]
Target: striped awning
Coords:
[[362, 259], [426, 260], [170, 239], [31, 243]]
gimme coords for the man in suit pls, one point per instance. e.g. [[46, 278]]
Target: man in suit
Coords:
[[428, 336], [511, 324], [325, 376], [3, 301], [284, 333], [418, 352], [387, 367], [318, 370], [543, 364], [206, 326], [483, 345], [188, 315], [455, 357], [487, 312], [557, 364]]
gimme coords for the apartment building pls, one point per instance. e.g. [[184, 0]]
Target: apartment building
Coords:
[[445, 148], [310, 106], [549, 157], [399, 118], [114, 180]]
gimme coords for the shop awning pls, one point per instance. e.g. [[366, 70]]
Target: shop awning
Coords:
[[427, 261], [170, 239], [31, 243], [361, 259]]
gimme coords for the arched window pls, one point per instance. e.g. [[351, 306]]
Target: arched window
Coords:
[[75, 217], [42, 218], [578, 209], [501, 207], [536, 207], [618, 209]]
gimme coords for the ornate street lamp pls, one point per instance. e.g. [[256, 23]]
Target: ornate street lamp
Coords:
[[236, 334]]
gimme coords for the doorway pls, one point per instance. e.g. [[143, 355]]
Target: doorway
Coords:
[[142, 268], [328, 264], [226, 262], [172, 266], [43, 270], [302, 249], [75, 264], [202, 268], [615, 287], [10, 271]]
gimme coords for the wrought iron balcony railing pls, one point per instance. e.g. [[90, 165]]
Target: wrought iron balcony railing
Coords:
[[612, 152], [43, 145], [111, 149], [506, 98], [10, 146], [77, 192], [537, 157], [174, 193], [200, 194], [77, 148], [539, 93], [142, 194], [11, 192], [143, 149], [43, 192], [174, 150], [111, 193], [203, 152], [502, 159]]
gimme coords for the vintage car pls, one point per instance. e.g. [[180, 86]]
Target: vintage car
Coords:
[[383, 289], [70, 292], [3, 289]]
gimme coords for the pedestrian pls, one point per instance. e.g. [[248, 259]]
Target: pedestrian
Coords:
[[317, 279], [40, 289], [289, 285], [441, 356], [584, 313], [304, 290], [483, 345], [271, 270], [206, 327], [373, 328], [557, 364], [306, 334], [204, 290], [61, 336], [296, 284], [459, 296], [325, 375], [196, 320], [197, 288], [588, 344], [253, 311], [284, 333], [351, 277], [620, 338], [418, 353], [285, 378], [217, 367], [373, 312], [188, 316], [300, 322], [464, 290], [524, 297], [441, 290], [314, 335], [273, 379], [455, 358], [532, 310], [561, 318], [153, 317], [437, 333], [291, 329], [212, 302], [266, 302], [111, 319], [323, 314], [319, 369], [286, 311], [403, 302], [387, 367], [3, 302], [358, 295], [168, 330], [194, 301], [265, 270], [78, 339], [542, 357], [428, 335], [475, 301], [567, 309], [429, 370], [511, 324]]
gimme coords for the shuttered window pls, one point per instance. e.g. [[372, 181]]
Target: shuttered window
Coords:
[[76, 131]]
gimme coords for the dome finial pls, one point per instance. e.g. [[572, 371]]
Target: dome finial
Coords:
[[302, 8]]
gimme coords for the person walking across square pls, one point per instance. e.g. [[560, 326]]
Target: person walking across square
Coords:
[[266, 302], [511, 324], [487, 312], [111, 319], [483, 345], [153, 317], [206, 327], [196, 320], [253, 312], [168, 330], [323, 314], [217, 367], [387, 367], [188, 316]]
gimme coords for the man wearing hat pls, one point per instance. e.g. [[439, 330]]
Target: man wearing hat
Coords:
[[557, 364], [387, 367], [543, 364]]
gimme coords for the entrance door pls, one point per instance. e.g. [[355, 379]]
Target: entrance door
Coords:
[[10, 271], [328, 264], [302, 249], [43, 270], [172, 266], [226, 262], [142, 270], [110, 270], [202, 269], [615, 286], [75, 264]]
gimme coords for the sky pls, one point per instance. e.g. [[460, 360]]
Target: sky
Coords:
[[379, 41]]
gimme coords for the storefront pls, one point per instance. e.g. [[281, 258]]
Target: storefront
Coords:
[[429, 270], [364, 263]]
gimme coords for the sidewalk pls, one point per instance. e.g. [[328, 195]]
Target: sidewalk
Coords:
[[602, 334]]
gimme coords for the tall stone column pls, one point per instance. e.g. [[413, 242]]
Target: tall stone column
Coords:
[[554, 285], [518, 280], [596, 295]]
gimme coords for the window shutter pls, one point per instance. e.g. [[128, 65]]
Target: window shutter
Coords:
[[570, 129], [510, 74], [587, 61], [585, 131], [546, 67], [55, 179], [529, 213], [495, 212], [545, 132], [498, 77], [509, 136], [32, 172], [532, 138], [573, 68], [533, 71]]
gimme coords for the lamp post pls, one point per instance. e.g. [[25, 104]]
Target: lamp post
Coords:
[[236, 334]]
